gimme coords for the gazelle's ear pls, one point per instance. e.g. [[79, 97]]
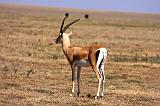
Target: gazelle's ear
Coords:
[[70, 33]]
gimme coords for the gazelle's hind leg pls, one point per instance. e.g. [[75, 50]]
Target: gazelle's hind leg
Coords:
[[103, 80], [100, 68], [96, 59]]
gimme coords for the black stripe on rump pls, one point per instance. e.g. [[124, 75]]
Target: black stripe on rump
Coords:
[[101, 74], [97, 55]]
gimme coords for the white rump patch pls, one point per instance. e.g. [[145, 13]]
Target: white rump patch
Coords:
[[101, 60], [103, 52]]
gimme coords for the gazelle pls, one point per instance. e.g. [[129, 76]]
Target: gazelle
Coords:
[[77, 56]]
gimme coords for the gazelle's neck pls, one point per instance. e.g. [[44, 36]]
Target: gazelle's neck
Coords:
[[66, 42]]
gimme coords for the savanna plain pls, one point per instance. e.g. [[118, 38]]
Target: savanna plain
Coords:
[[34, 71]]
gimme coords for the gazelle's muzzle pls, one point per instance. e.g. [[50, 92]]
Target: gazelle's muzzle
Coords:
[[58, 40]]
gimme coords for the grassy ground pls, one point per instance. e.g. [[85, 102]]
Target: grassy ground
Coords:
[[34, 71]]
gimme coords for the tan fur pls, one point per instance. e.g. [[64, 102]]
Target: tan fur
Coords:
[[74, 53]]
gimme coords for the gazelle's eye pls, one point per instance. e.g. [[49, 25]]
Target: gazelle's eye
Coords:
[[61, 34]]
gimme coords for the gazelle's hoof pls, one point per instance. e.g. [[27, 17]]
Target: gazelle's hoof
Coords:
[[98, 97], [71, 94], [78, 94], [101, 97], [95, 98]]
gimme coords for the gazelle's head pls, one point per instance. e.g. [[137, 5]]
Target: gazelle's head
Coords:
[[62, 34]]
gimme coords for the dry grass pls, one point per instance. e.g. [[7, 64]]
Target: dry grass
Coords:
[[33, 71]]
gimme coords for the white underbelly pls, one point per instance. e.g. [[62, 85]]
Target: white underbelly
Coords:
[[82, 63]]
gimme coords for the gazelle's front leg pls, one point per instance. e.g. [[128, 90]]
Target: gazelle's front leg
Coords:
[[73, 79], [78, 80]]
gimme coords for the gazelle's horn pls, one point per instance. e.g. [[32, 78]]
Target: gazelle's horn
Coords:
[[66, 16], [65, 28]]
